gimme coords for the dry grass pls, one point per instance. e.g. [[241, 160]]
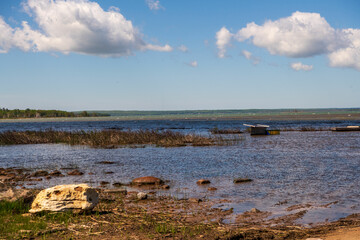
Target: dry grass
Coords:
[[109, 138]]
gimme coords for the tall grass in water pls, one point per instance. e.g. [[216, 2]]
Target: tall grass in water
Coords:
[[305, 129], [225, 131], [109, 138]]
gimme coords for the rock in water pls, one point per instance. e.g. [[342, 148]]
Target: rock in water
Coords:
[[203, 181], [65, 197], [149, 180], [242, 180]]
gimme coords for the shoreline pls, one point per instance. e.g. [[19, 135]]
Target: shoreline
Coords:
[[160, 215], [121, 215]]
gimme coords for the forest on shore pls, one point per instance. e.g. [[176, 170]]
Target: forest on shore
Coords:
[[34, 113]]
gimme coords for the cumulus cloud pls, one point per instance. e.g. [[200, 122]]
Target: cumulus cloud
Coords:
[[183, 48], [299, 66], [297, 36], [223, 40], [192, 64], [350, 55], [5, 36], [154, 4], [249, 56], [79, 26], [300, 35]]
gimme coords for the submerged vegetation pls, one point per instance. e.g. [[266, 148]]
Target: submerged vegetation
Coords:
[[111, 138], [32, 113]]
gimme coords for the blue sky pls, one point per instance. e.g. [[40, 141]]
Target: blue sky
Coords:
[[175, 55]]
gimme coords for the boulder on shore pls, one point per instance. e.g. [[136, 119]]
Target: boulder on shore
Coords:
[[65, 197], [149, 180]]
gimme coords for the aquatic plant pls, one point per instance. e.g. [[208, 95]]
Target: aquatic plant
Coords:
[[111, 138], [225, 131]]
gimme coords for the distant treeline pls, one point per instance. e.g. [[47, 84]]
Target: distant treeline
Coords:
[[33, 113], [231, 113]]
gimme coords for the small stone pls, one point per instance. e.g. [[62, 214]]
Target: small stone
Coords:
[[203, 181], [254, 210], [91, 173], [104, 183], [142, 196], [106, 162], [242, 180], [165, 187], [75, 173], [109, 172], [149, 180], [117, 184], [116, 191], [47, 177], [212, 188], [40, 174], [195, 200], [12, 194], [56, 173]]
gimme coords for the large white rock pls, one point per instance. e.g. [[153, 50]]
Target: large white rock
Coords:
[[65, 197]]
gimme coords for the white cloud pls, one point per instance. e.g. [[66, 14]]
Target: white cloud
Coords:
[[193, 64], [183, 48], [350, 55], [166, 48], [299, 35], [154, 4], [299, 66], [223, 40], [249, 56], [5, 36], [79, 26]]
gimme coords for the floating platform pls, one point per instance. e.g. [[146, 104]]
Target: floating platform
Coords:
[[262, 130], [346, 129]]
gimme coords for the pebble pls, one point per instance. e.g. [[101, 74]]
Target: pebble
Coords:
[[255, 210], [142, 196]]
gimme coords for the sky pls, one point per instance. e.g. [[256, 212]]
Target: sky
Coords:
[[179, 55]]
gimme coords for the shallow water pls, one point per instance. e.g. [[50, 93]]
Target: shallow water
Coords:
[[290, 168]]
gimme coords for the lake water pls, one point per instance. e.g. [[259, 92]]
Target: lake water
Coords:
[[291, 168]]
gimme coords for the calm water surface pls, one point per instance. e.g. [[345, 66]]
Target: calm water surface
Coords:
[[291, 168]]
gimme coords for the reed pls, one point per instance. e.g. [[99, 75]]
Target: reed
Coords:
[[225, 131], [305, 129], [109, 138]]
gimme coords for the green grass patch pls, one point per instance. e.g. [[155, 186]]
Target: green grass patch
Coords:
[[15, 225]]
